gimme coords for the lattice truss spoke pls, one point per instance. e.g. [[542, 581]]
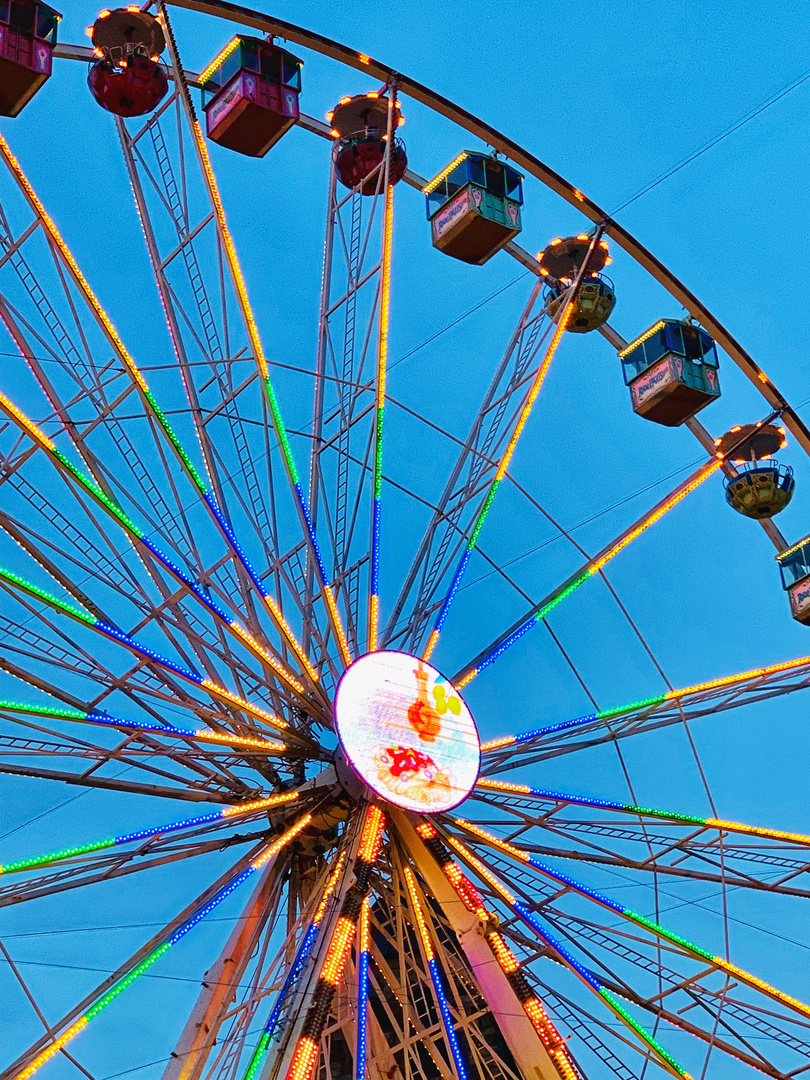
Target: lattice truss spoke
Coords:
[[449, 533], [689, 988], [182, 613]]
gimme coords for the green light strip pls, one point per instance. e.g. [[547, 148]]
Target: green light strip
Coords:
[[133, 975], [378, 455], [676, 939], [640, 704], [69, 609], [41, 710], [650, 811], [164, 423], [54, 856], [634, 1024], [541, 614], [258, 1056], [483, 515], [96, 491], [280, 429]]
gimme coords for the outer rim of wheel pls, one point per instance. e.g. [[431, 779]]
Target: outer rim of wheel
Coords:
[[204, 8], [235, 13]]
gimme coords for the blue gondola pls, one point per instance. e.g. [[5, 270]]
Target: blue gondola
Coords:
[[474, 207], [671, 370], [794, 566]]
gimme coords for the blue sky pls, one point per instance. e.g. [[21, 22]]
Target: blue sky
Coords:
[[610, 98]]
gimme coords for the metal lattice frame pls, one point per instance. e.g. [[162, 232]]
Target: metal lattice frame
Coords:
[[178, 611]]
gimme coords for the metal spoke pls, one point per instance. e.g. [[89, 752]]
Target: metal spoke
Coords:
[[647, 714]]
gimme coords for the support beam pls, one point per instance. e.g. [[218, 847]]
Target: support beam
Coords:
[[220, 983], [530, 1055]]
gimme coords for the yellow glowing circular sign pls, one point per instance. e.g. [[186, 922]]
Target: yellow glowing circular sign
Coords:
[[407, 732]]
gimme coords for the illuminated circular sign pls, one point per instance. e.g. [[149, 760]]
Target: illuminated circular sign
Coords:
[[407, 732]]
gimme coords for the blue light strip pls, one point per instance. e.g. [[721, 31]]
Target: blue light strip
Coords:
[[564, 725], [448, 600], [144, 650], [448, 1020], [588, 976], [275, 1015], [189, 582], [362, 994], [302, 501], [237, 547], [294, 973]]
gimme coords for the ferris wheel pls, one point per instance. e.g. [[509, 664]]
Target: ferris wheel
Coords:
[[203, 603]]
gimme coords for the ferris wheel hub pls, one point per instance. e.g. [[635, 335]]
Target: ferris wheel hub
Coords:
[[406, 732]]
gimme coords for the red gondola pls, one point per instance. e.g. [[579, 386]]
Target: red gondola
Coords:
[[27, 40], [128, 79], [360, 123], [250, 95]]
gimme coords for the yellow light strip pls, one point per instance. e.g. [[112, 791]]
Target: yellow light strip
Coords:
[[538, 382], [431, 645], [279, 668], [330, 888], [272, 800], [729, 680], [460, 881], [468, 856], [276, 847], [338, 625], [382, 363], [410, 881], [365, 935], [373, 621], [335, 962], [503, 954], [286, 629], [493, 744], [789, 551], [673, 500], [305, 1058], [54, 1048], [760, 984], [385, 300], [558, 1054], [230, 250], [501, 785], [220, 59], [756, 830], [237, 740], [504, 844], [372, 835], [431, 185], [29, 425], [82, 282], [640, 340], [220, 691]]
